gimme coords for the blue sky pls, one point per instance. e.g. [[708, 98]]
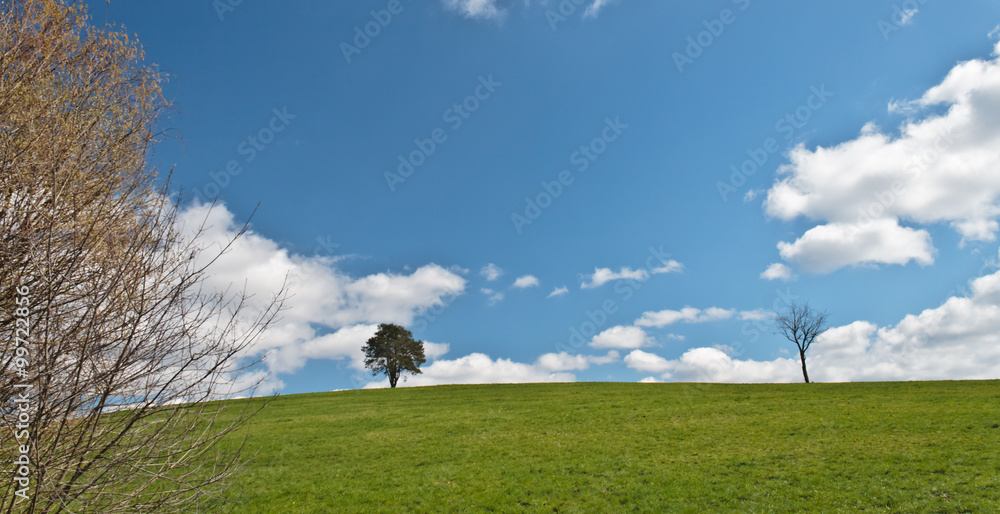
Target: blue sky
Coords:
[[613, 127]]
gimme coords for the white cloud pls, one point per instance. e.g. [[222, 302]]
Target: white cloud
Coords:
[[777, 271], [478, 9], [478, 368], [939, 169], [756, 314], [493, 297], [345, 343], [686, 315], [602, 276], [491, 272], [559, 291], [714, 365], [611, 356], [526, 281], [650, 380], [646, 362], [435, 350], [995, 33], [492, 10], [386, 296], [622, 337], [321, 293], [322, 298], [563, 361], [670, 266], [957, 340], [833, 246]]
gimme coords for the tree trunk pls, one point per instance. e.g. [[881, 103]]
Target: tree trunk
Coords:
[[805, 374], [393, 377]]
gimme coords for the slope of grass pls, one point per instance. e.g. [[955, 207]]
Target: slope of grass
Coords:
[[593, 447]]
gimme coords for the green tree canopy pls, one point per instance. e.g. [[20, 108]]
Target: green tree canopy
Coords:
[[392, 350]]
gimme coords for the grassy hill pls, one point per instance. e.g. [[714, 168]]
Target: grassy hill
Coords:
[[610, 447]]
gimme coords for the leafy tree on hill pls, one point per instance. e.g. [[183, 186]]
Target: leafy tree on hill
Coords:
[[393, 351]]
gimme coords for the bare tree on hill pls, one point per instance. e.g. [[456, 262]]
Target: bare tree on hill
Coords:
[[801, 325]]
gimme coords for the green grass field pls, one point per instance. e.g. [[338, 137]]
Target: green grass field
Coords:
[[610, 447]]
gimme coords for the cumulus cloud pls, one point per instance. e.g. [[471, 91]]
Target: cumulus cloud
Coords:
[[329, 314], [715, 365], [435, 350], [563, 361], [833, 246], [345, 343], [712, 365], [957, 340], [777, 271], [602, 276], [526, 281], [622, 337], [647, 362], [388, 296], [610, 357], [559, 291], [478, 368], [491, 272], [941, 168]]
